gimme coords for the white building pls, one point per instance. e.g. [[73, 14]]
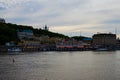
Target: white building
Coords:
[[23, 34]]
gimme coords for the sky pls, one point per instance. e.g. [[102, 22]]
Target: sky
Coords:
[[69, 17]]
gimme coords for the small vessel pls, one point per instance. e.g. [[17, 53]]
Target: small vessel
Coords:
[[14, 50], [102, 49]]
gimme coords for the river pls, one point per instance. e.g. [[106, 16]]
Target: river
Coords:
[[81, 65]]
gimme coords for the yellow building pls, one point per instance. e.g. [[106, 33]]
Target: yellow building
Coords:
[[107, 39]]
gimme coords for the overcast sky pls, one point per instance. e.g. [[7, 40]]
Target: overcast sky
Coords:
[[69, 17]]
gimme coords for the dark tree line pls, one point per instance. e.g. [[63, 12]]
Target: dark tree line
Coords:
[[40, 32], [8, 32]]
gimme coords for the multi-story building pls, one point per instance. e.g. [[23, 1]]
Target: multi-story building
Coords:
[[106, 39], [71, 44], [25, 34]]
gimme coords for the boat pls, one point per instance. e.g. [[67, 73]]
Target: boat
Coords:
[[14, 50], [102, 49]]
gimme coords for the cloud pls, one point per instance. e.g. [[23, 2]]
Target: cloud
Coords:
[[113, 21], [64, 16], [2, 8]]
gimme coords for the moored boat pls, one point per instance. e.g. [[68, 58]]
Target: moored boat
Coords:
[[14, 50], [102, 49]]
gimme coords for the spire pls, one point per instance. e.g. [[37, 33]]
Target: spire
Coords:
[[46, 28], [116, 30]]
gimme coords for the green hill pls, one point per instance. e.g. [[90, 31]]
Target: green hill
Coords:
[[8, 32]]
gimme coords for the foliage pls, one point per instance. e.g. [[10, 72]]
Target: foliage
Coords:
[[8, 32], [40, 32]]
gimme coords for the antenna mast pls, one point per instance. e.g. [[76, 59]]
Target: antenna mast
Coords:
[[80, 33], [116, 30]]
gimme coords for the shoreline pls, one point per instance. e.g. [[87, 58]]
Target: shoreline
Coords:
[[44, 49]]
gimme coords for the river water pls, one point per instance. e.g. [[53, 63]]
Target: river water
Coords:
[[81, 65]]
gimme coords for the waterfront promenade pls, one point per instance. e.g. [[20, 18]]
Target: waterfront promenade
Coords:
[[36, 49]]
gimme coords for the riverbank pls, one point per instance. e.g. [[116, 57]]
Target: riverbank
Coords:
[[46, 48], [36, 49]]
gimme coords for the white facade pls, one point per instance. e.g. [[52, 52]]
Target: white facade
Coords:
[[24, 34]]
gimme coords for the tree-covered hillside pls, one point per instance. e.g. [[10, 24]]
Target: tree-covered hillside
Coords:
[[8, 32]]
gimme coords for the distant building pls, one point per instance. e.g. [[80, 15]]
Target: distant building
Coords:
[[2, 20], [71, 44], [118, 44], [25, 34], [106, 39]]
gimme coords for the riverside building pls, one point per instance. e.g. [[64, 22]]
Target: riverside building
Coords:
[[104, 39], [25, 34]]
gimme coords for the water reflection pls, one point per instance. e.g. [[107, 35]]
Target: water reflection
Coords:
[[86, 65]]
